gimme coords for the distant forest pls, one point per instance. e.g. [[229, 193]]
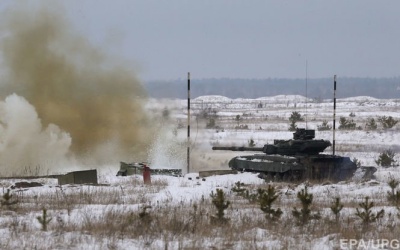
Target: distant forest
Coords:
[[321, 88]]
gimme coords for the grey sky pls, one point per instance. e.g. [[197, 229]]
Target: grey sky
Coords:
[[245, 39]]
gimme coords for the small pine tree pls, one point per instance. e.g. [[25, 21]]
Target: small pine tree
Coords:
[[210, 123], [239, 188], [386, 159], [7, 199], [296, 117], [387, 121], [398, 209], [304, 215], [44, 220], [336, 208], [251, 143], [346, 124], [292, 126], [237, 118], [371, 124], [250, 196], [393, 196], [220, 203], [195, 216], [266, 198], [324, 126], [366, 214], [7, 196], [144, 215]]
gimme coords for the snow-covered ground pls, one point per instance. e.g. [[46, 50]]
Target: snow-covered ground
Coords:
[[179, 209]]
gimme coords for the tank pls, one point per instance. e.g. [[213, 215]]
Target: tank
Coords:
[[295, 159]]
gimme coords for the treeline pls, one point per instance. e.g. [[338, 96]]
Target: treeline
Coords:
[[320, 88]]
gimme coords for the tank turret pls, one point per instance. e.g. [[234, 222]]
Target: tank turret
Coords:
[[300, 157], [303, 143]]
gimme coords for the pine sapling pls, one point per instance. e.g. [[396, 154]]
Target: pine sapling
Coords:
[[393, 195], [7, 196], [239, 188], [292, 126], [366, 214], [266, 198], [194, 218], [220, 203], [252, 197], [304, 215], [386, 159], [336, 208], [144, 215], [7, 199], [398, 209], [44, 220]]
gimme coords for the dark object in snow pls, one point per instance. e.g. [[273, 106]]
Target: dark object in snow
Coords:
[[216, 172], [134, 168], [368, 172], [295, 159], [79, 177], [24, 184]]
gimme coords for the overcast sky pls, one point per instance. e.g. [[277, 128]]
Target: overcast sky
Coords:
[[245, 39]]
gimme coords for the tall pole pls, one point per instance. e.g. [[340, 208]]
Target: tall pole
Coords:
[[334, 113], [188, 125]]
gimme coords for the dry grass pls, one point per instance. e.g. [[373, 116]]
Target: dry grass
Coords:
[[110, 216], [180, 222]]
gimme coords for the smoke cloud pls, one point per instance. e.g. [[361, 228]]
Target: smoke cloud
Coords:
[[81, 99], [24, 144]]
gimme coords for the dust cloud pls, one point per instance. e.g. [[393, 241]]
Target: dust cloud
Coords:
[[72, 100]]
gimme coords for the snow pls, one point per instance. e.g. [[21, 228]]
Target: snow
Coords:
[[212, 98], [76, 208]]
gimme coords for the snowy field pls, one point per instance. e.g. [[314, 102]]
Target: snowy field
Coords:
[[176, 212]]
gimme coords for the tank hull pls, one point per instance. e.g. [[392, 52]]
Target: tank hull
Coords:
[[319, 167]]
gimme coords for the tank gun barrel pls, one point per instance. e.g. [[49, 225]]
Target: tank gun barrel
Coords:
[[238, 148]]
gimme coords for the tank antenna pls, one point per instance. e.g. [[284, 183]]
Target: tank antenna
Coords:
[[188, 124], [334, 113], [306, 92]]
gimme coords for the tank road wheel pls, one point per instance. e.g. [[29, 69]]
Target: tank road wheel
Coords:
[[270, 176], [287, 176], [275, 177], [266, 176], [291, 176], [296, 175], [279, 176]]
